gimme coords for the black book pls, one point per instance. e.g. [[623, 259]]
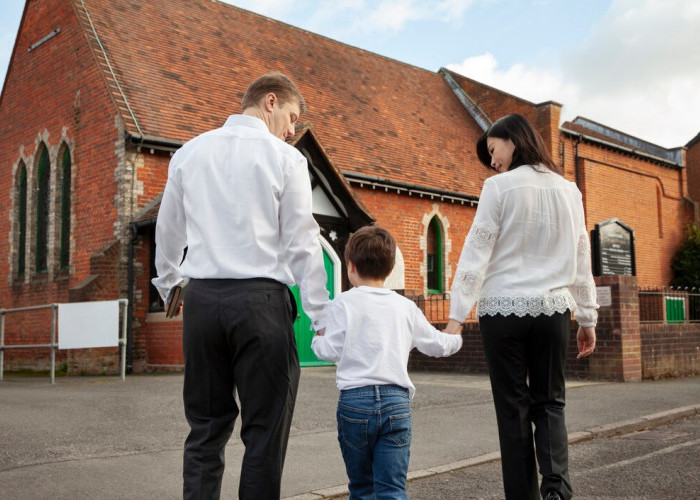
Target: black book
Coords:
[[175, 298]]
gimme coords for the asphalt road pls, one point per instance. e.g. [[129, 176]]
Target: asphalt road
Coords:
[[100, 437], [659, 463]]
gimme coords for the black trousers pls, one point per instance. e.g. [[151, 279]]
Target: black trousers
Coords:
[[238, 334], [526, 358]]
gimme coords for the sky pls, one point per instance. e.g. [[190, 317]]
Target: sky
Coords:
[[632, 65]]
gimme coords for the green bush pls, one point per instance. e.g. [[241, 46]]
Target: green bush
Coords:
[[686, 262]]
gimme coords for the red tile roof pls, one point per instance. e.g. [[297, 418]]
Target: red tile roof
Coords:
[[181, 67]]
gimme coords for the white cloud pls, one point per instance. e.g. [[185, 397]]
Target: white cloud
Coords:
[[271, 8], [532, 84], [453, 9], [638, 72], [353, 18]]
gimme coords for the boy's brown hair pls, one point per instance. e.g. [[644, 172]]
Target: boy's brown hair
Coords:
[[277, 83], [372, 250]]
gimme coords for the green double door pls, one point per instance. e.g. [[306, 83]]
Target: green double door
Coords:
[[302, 325]]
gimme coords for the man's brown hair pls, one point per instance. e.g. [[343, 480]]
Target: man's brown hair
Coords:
[[277, 83], [372, 250]]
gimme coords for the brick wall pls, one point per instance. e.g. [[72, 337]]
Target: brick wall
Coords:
[[407, 218], [618, 347], [164, 343], [626, 350], [670, 350], [692, 158], [55, 95], [646, 196], [471, 359]]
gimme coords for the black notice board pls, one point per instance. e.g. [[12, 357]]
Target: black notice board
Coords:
[[612, 244]]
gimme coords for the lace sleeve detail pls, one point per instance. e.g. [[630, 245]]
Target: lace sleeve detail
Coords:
[[469, 282], [584, 244], [481, 237], [583, 293]]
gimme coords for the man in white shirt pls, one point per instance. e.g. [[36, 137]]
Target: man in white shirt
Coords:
[[238, 198]]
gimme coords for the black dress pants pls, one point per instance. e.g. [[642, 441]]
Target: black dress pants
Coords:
[[526, 358], [238, 334]]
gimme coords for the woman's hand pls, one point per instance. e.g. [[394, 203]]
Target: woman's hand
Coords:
[[585, 338], [453, 327]]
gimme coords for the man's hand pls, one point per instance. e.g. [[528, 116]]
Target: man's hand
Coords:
[[585, 337], [453, 327], [321, 332]]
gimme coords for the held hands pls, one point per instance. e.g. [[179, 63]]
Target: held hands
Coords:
[[585, 337], [453, 327]]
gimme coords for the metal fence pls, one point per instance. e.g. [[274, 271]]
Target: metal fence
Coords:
[[656, 305], [53, 343], [436, 307], [669, 305]]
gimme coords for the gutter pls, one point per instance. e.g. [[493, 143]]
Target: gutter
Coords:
[[153, 143], [410, 189]]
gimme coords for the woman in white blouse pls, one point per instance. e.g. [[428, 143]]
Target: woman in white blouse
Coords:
[[526, 262]]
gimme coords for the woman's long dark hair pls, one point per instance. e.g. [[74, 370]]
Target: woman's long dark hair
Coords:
[[529, 145]]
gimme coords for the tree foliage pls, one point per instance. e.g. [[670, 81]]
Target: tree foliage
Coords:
[[686, 262]]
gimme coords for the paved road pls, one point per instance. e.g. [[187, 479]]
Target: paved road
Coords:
[[659, 463], [100, 437]]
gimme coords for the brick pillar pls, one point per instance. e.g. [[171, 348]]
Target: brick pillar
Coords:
[[618, 354]]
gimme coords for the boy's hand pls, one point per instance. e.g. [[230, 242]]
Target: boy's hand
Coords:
[[321, 332], [453, 327]]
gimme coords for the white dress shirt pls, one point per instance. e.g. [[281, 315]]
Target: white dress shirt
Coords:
[[370, 333], [528, 251], [239, 199]]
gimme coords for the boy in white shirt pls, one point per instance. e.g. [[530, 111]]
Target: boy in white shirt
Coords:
[[369, 334]]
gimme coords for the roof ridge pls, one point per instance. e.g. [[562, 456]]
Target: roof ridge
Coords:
[[481, 117]]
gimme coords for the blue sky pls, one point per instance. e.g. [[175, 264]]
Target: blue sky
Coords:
[[633, 65]]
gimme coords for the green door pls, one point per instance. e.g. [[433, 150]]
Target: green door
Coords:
[[302, 326]]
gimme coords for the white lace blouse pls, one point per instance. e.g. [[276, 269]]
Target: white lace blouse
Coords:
[[528, 251]]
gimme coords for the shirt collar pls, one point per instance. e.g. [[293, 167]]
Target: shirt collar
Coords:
[[373, 289], [245, 121]]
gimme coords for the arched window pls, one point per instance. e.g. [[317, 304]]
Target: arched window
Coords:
[[434, 257], [42, 211], [64, 248], [21, 213]]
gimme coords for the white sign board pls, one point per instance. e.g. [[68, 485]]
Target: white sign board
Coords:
[[88, 324], [604, 296]]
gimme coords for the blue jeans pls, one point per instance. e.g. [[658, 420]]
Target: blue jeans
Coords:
[[374, 432]]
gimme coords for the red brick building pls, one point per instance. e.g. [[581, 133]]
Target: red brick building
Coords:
[[99, 93]]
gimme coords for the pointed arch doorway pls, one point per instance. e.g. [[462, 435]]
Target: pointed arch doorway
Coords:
[[302, 325]]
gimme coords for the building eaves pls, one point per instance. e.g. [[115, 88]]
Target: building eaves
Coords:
[[693, 141], [576, 130], [674, 156]]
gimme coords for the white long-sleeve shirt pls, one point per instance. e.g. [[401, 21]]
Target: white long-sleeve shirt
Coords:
[[370, 333], [239, 199], [527, 252]]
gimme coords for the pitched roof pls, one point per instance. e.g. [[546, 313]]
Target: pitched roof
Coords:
[[179, 67], [495, 103]]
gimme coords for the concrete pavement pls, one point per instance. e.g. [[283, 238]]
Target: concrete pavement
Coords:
[[89, 437]]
